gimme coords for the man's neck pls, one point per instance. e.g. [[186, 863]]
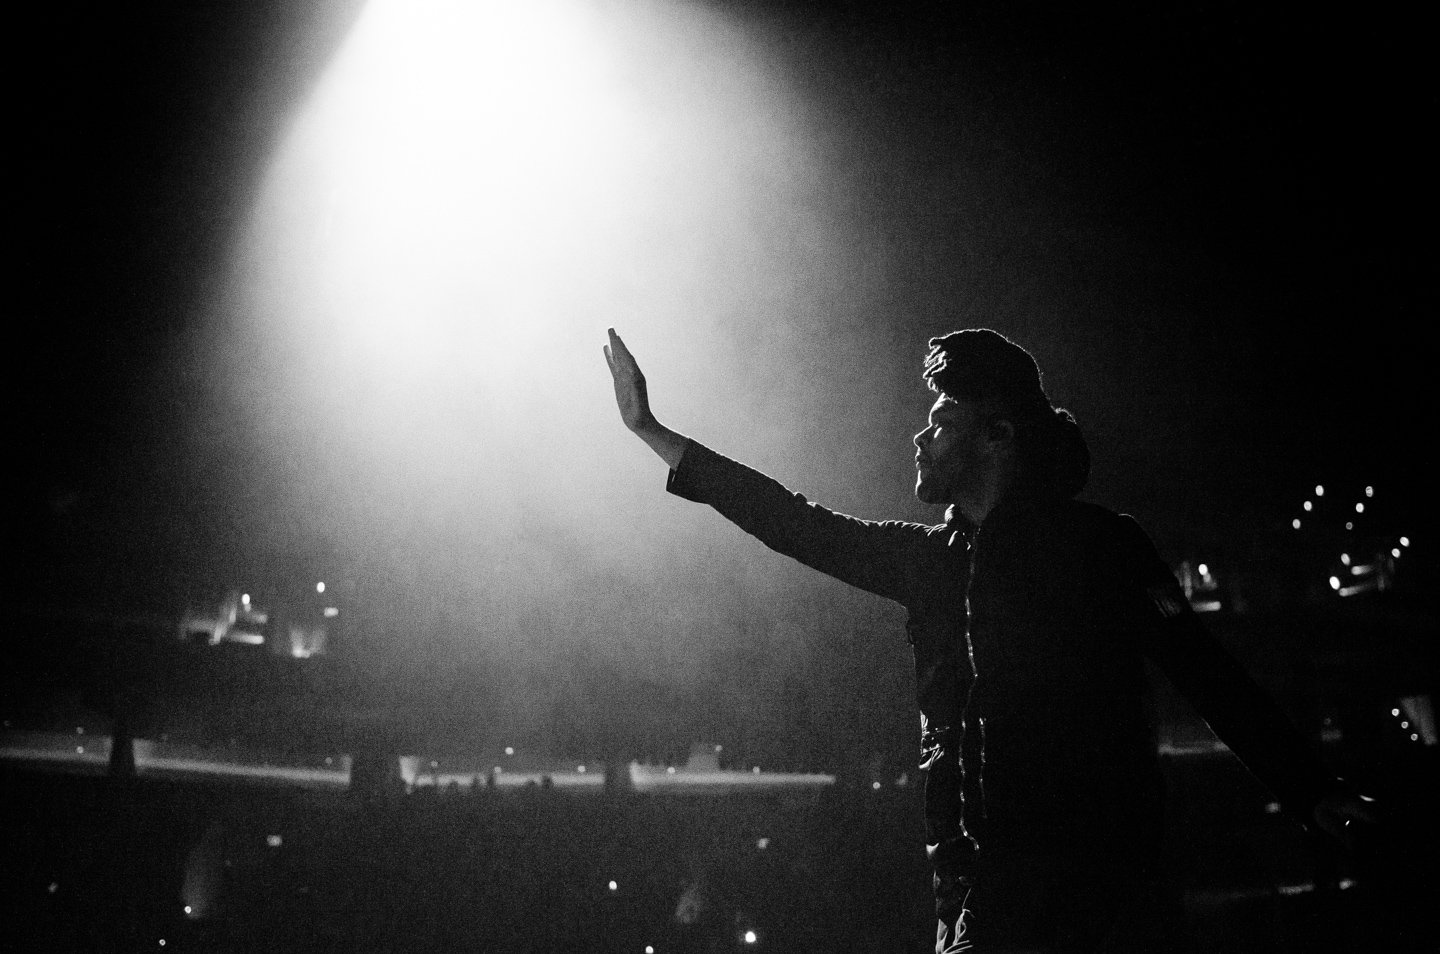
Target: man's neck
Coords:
[[981, 501]]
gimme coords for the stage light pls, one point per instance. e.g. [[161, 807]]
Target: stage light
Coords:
[[1308, 506], [1404, 541], [274, 841], [1359, 508], [509, 750], [1335, 583], [875, 786], [750, 937], [1395, 712], [762, 843], [320, 587], [1319, 490], [1369, 491], [1345, 559], [1395, 552], [1295, 523]]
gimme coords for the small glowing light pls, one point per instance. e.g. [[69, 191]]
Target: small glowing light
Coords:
[[1334, 582], [1404, 724], [613, 886], [1404, 542], [755, 769], [79, 750], [1295, 523], [1369, 491], [79, 730], [320, 587], [162, 942], [1349, 525], [750, 937], [54, 886], [875, 785], [719, 748], [649, 949], [1345, 559], [1346, 884], [580, 769], [762, 843], [1204, 570], [245, 598], [1319, 491], [1394, 712], [670, 770], [274, 841], [1272, 808], [1414, 737], [331, 612], [329, 760], [1395, 552], [1359, 508], [1309, 506], [189, 910], [498, 770], [509, 750]]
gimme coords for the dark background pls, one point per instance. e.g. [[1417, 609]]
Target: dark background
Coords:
[[1222, 212], [1269, 160]]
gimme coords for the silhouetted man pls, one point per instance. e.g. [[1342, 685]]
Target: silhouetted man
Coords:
[[1030, 617]]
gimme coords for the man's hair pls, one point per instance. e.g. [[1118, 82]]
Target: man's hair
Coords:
[[987, 368]]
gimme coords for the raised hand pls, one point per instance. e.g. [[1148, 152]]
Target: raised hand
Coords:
[[630, 394], [634, 403]]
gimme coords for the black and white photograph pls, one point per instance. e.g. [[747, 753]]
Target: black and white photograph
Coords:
[[722, 476]]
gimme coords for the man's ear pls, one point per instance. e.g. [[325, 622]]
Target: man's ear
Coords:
[[1000, 430]]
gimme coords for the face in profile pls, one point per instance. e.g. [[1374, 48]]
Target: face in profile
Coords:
[[948, 451]]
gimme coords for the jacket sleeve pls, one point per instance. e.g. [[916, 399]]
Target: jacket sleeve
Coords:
[[893, 559], [1242, 714]]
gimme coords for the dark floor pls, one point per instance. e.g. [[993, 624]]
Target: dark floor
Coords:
[[95, 866]]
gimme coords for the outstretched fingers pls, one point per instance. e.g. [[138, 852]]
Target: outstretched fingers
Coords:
[[617, 353]]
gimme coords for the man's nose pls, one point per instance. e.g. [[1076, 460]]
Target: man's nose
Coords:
[[922, 438]]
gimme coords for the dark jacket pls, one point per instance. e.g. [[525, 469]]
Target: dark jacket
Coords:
[[1030, 635]]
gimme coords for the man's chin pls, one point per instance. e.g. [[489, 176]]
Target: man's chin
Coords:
[[927, 492]]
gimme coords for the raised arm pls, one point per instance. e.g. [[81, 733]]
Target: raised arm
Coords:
[[634, 404], [891, 559]]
